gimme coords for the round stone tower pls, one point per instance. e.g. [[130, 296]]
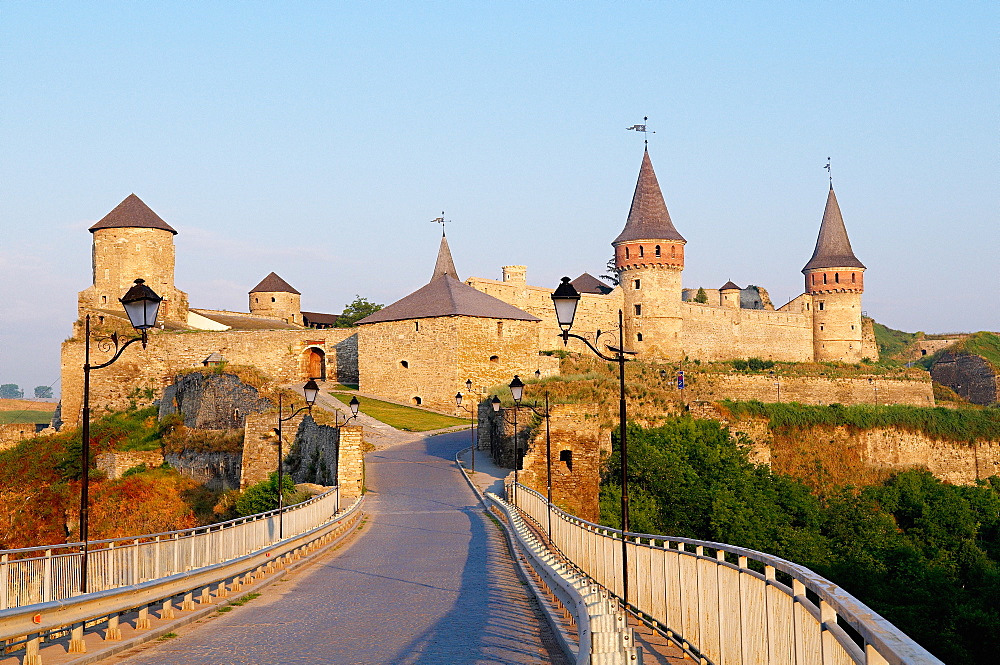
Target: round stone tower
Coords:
[[835, 280], [132, 242], [649, 256], [729, 295], [274, 298]]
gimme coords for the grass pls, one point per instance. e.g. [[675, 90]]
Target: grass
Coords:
[[937, 422], [402, 417], [26, 416], [243, 600]]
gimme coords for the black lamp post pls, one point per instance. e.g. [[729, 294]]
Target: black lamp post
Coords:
[[516, 392], [472, 420], [494, 445], [565, 299], [309, 391], [141, 305], [548, 452]]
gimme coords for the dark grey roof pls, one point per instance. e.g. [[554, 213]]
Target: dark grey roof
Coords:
[[319, 317], [132, 213], [587, 283], [833, 247], [648, 218], [728, 285], [444, 264], [273, 284], [446, 296]]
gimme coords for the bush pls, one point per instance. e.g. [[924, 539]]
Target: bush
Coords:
[[263, 496]]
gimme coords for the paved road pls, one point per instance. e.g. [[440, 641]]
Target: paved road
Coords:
[[428, 582]]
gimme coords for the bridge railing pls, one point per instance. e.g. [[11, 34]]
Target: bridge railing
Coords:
[[42, 574], [727, 604]]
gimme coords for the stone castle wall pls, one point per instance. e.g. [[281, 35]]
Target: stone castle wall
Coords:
[[723, 333], [426, 361], [12, 434], [116, 463], [313, 453], [707, 332], [708, 386], [277, 353]]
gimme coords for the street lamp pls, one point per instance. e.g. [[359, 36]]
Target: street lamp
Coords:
[[565, 299], [872, 381], [472, 422], [494, 444], [516, 392], [309, 391], [777, 384], [141, 305]]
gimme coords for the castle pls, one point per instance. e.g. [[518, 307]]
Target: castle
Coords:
[[423, 348], [661, 320]]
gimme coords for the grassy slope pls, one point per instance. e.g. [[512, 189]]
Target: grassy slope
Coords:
[[402, 417], [891, 342]]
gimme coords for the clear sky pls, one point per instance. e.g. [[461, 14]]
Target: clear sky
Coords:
[[318, 140]]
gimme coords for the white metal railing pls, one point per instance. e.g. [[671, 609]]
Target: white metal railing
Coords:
[[43, 574], [728, 604]]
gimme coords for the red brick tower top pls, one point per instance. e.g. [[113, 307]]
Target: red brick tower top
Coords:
[[649, 236]]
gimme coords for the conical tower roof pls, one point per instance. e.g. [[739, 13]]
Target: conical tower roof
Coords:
[[274, 284], [444, 265], [833, 247], [648, 218], [132, 213]]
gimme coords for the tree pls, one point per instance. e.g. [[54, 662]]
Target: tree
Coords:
[[263, 496], [43, 392], [11, 391], [357, 310], [701, 296], [611, 276]]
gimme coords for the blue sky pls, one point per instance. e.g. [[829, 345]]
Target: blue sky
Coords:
[[318, 139]]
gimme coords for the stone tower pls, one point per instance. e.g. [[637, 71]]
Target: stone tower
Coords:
[[729, 295], [835, 280], [649, 256], [132, 242], [274, 298]]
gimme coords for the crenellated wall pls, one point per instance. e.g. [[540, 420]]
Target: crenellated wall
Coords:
[[723, 333]]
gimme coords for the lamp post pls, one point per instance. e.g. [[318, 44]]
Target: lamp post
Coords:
[[141, 305], [872, 381], [548, 452], [565, 299], [472, 422], [309, 391], [777, 384], [494, 445], [516, 392]]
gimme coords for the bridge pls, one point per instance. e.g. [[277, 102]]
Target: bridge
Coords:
[[429, 568]]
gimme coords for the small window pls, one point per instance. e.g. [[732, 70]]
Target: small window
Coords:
[[404, 364], [824, 278], [821, 326], [852, 327], [836, 277], [638, 337], [416, 326], [814, 279], [417, 401], [273, 299], [657, 251], [100, 319], [807, 307], [499, 328], [626, 252], [923, 352], [566, 456], [853, 278], [673, 252], [494, 359], [104, 300], [821, 305], [638, 310], [641, 254], [636, 285]]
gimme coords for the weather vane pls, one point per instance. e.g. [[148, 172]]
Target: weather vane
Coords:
[[642, 128], [829, 171], [442, 221]]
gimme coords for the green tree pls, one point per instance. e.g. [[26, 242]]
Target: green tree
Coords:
[[701, 296], [11, 391], [611, 274], [357, 310], [43, 392], [263, 496]]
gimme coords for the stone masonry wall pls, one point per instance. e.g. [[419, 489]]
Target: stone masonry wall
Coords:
[[579, 447], [313, 453], [426, 361], [116, 463], [216, 470], [968, 375], [277, 353], [212, 401], [807, 390], [12, 434], [722, 333]]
